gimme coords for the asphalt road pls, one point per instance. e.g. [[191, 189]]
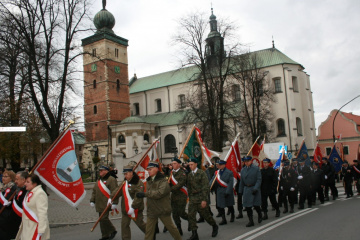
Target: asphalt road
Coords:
[[337, 219]]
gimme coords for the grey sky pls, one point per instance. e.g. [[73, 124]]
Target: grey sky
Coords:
[[323, 36]]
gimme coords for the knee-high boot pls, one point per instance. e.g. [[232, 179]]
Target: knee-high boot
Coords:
[[250, 216], [258, 210]]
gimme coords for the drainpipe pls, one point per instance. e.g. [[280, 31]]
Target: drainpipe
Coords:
[[146, 110], [168, 97], [287, 107]]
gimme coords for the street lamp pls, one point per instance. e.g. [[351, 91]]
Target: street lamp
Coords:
[[338, 112], [42, 141]]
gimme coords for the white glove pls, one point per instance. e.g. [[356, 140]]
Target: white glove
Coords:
[[7, 203], [113, 207], [131, 211], [282, 188], [109, 201], [300, 177], [92, 204], [325, 176], [292, 189]]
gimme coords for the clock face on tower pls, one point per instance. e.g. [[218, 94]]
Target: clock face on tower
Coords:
[[93, 67], [117, 69]]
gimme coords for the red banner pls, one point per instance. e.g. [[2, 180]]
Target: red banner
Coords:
[[60, 171], [318, 155]]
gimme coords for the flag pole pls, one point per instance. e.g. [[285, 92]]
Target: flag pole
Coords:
[[52, 145], [186, 142], [212, 184], [120, 188], [253, 145]]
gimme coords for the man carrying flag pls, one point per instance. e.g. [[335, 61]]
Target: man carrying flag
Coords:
[[131, 206], [303, 154], [100, 198], [269, 182], [318, 155], [329, 174]]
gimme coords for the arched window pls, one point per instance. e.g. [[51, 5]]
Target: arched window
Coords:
[[146, 137], [236, 92], [281, 127], [170, 143], [299, 127], [94, 83], [117, 84], [121, 139], [95, 109]]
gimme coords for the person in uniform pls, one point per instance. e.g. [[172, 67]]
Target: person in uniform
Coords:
[[269, 182], [198, 189], [132, 207], [347, 174], [179, 193], [100, 198], [10, 218], [288, 179], [223, 181], [158, 202], [356, 173], [304, 184], [295, 166], [239, 196], [318, 183], [249, 187], [329, 174]]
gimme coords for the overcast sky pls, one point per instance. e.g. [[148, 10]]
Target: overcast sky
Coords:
[[323, 36]]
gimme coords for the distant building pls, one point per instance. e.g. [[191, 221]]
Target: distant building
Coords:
[[346, 132]]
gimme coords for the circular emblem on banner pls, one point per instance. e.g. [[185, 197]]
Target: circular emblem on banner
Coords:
[[336, 160], [67, 168], [256, 162]]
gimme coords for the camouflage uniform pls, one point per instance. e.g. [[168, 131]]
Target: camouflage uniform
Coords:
[[178, 197], [198, 189]]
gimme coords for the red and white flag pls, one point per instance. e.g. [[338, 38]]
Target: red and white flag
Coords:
[[208, 154], [233, 160], [59, 170], [150, 156], [318, 155], [257, 155]]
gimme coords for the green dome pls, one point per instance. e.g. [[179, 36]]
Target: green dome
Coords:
[[132, 119], [104, 21]]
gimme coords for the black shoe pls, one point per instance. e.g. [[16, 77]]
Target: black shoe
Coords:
[[165, 230], [200, 220], [232, 217], [265, 217], [223, 222], [291, 210], [215, 230], [240, 215], [285, 210], [194, 235], [277, 213], [112, 235], [250, 223]]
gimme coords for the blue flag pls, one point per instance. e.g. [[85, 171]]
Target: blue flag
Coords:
[[281, 157], [335, 159], [303, 154]]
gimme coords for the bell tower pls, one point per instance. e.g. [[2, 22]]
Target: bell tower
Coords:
[[214, 42], [106, 84]]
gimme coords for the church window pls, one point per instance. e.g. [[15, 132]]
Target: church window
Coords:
[[299, 127], [116, 52], [170, 143], [328, 150], [280, 127], [277, 84], [182, 103], [94, 52], [236, 92], [146, 137], [136, 109], [95, 109], [346, 150], [158, 105], [94, 84], [295, 84]]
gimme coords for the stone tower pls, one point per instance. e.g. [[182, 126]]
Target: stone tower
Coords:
[[106, 85]]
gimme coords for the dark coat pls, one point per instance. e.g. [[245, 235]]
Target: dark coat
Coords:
[[98, 197], [347, 174], [356, 172], [269, 181], [224, 195], [318, 179], [288, 179], [249, 187], [306, 173], [329, 171]]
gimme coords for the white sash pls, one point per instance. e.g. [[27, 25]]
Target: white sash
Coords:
[[221, 182], [174, 182], [103, 188], [32, 216]]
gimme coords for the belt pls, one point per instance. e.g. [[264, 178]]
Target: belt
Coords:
[[248, 185]]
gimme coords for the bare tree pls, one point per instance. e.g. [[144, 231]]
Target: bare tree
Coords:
[[48, 30], [256, 118], [209, 60]]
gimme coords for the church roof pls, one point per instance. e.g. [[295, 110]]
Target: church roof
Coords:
[[161, 119], [268, 57]]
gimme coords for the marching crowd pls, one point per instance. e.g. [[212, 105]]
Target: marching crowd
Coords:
[[168, 194]]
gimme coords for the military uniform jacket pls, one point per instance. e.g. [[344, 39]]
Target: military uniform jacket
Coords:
[[176, 193], [347, 174], [222, 200], [98, 197], [250, 180], [269, 181], [158, 196], [318, 178], [135, 186], [198, 186], [288, 178], [356, 171], [329, 171], [306, 173]]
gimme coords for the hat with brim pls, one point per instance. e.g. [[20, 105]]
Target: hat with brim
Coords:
[[221, 162], [247, 158], [266, 160], [127, 168], [152, 165], [301, 160], [103, 167]]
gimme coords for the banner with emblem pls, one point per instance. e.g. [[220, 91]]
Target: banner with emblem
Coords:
[[303, 153], [233, 160], [335, 159], [257, 153], [59, 170], [318, 155]]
